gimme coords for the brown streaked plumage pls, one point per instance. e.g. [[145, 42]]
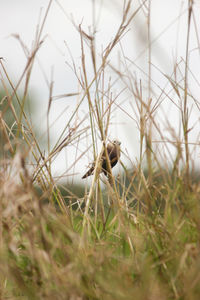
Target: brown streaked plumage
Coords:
[[113, 150]]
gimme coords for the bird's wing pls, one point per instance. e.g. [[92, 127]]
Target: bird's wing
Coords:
[[112, 154]]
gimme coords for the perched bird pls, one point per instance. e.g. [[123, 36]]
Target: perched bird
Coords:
[[113, 149]]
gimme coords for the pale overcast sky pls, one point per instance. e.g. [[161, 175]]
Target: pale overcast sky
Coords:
[[168, 34]]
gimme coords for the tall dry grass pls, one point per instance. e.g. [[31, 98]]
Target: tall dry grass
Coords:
[[136, 236]]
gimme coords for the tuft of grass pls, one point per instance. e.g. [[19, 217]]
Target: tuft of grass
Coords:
[[135, 236]]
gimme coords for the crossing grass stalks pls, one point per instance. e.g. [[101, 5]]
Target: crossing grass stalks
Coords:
[[135, 237]]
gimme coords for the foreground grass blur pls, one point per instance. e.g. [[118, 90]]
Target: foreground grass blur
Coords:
[[136, 238], [141, 254]]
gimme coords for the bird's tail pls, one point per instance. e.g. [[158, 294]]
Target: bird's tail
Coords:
[[89, 172]]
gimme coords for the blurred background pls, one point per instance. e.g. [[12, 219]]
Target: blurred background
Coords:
[[61, 50]]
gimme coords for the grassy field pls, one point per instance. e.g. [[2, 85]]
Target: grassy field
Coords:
[[136, 236]]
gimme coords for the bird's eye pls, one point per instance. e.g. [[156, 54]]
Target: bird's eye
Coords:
[[116, 142]]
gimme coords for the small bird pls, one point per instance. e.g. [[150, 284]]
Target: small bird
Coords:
[[113, 149]]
